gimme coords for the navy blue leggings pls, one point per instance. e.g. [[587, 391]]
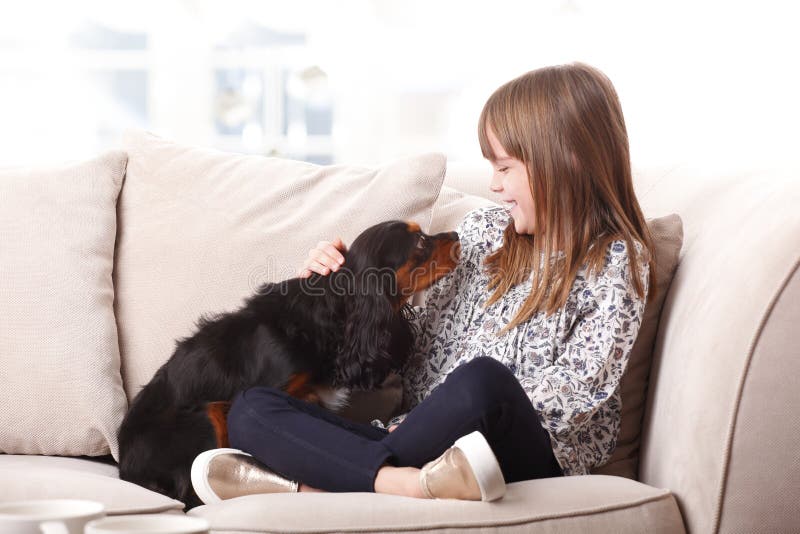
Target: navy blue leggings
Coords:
[[304, 442]]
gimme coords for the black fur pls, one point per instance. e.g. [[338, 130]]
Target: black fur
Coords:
[[348, 329]]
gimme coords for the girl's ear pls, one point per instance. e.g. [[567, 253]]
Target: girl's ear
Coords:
[[365, 360]]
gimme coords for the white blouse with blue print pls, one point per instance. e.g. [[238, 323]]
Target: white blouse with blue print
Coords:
[[569, 363]]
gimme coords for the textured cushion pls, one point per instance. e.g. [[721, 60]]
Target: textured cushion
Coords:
[[60, 386], [201, 230], [556, 505], [48, 477]]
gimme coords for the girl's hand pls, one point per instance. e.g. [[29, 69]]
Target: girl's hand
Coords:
[[391, 428], [324, 258]]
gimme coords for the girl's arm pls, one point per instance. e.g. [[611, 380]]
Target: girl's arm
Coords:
[[412, 367], [471, 230], [589, 369]]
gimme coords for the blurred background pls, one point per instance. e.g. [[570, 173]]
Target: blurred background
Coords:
[[365, 81]]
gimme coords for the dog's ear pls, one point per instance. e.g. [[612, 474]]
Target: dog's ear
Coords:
[[366, 358]]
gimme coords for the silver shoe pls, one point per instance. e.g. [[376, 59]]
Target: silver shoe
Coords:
[[220, 474], [468, 470]]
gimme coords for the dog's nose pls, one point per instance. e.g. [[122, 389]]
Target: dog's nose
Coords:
[[453, 236]]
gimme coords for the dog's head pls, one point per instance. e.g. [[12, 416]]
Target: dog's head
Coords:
[[398, 259], [385, 265]]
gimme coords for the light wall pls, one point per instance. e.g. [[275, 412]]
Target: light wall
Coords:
[[711, 83]]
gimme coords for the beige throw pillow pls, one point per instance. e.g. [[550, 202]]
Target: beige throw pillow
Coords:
[[201, 230], [60, 386]]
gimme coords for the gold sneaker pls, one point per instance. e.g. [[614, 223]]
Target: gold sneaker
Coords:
[[220, 474], [468, 470]]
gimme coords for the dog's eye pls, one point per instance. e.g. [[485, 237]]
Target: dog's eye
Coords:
[[422, 242]]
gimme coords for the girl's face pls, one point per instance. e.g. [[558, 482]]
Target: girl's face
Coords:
[[510, 180]]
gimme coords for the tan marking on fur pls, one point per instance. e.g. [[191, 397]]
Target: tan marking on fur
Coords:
[[298, 386], [217, 413], [411, 279]]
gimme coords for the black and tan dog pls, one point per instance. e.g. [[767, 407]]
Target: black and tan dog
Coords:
[[315, 338]]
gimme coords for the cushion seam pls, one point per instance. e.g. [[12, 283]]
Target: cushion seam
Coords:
[[146, 509], [667, 495]]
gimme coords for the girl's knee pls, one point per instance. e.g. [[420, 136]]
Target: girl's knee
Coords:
[[261, 396], [241, 417], [259, 400], [487, 369], [487, 380]]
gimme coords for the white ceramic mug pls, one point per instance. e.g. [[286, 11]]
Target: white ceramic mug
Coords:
[[150, 523], [48, 516]]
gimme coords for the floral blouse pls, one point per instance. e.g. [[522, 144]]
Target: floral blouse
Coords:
[[570, 363]]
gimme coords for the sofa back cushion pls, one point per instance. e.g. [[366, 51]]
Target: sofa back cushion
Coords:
[[201, 230], [60, 386]]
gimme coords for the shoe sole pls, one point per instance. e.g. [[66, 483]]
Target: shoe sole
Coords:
[[199, 474], [484, 465]]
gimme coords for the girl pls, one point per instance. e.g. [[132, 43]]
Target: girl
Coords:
[[521, 348]]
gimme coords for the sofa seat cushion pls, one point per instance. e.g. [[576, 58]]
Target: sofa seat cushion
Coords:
[[594, 503], [54, 477]]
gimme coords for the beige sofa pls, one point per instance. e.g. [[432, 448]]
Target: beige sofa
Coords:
[[718, 449]]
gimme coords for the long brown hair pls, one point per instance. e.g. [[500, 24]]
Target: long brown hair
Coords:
[[565, 124]]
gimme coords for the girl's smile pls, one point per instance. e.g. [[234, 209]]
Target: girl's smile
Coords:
[[510, 180]]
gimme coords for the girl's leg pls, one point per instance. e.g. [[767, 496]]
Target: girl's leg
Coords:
[[482, 395], [305, 442]]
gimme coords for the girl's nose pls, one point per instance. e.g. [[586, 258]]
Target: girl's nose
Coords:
[[495, 185]]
